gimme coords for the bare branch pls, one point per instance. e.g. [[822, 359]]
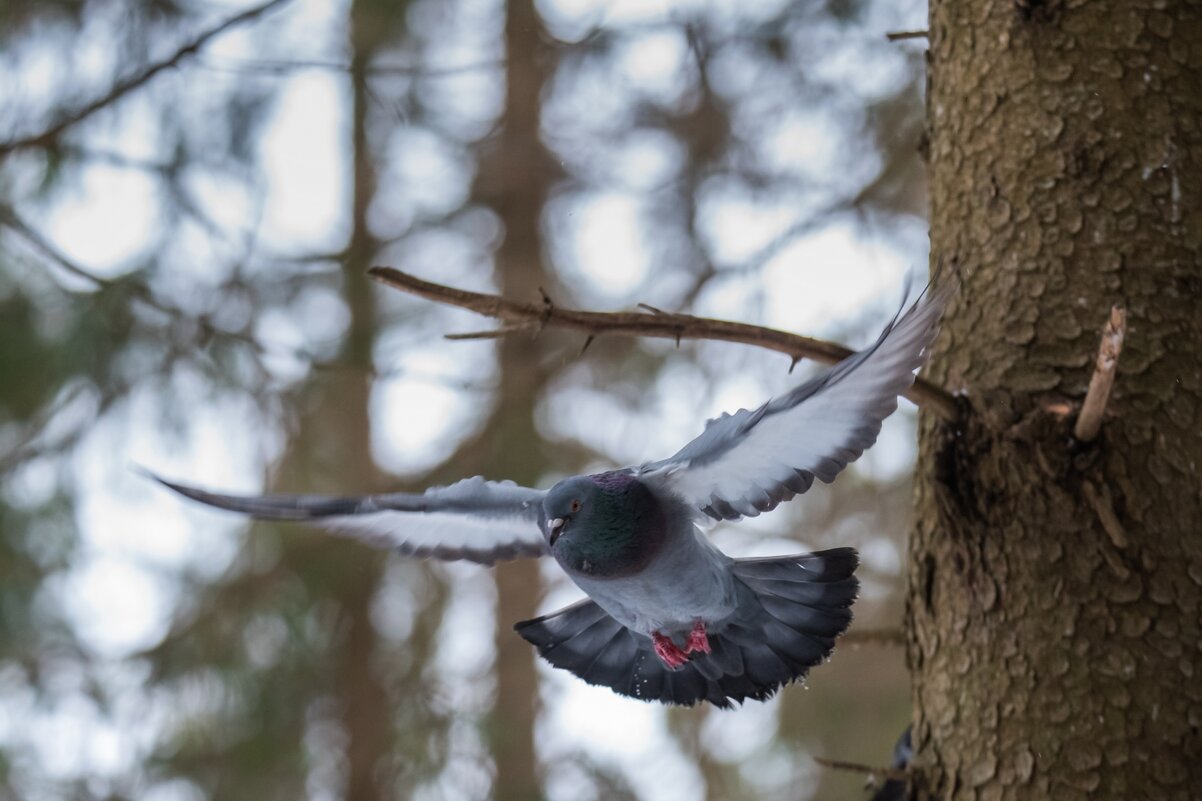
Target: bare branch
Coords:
[[137, 290], [518, 316], [14, 223], [1089, 422], [256, 67], [1103, 506], [880, 774], [124, 87], [898, 36]]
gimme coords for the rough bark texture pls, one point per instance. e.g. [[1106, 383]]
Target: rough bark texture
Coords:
[[1066, 175]]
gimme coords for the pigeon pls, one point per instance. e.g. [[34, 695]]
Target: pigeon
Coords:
[[668, 617]]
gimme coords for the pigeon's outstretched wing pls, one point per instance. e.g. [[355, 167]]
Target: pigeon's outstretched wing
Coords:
[[750, 461], [482, 521]]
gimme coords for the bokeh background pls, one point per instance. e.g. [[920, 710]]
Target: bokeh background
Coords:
[[182, 287]]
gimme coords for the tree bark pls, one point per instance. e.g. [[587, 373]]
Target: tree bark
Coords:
[[1051, 659]]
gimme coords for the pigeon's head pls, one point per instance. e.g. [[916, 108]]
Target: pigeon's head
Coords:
[[571, 505], [606, 524]]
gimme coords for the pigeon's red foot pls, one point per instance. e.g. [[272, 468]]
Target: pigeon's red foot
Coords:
[[668, 652], [698, 641], [673, 655]]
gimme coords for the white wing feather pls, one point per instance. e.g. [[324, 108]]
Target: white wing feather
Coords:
[[482, 521], [750, 461]]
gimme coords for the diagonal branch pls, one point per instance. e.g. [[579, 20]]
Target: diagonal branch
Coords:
[[518, 316], [47, 136]]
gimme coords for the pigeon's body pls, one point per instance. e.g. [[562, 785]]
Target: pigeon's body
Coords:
[[668, 616], [672, 575], [727, 629], [687, 582]]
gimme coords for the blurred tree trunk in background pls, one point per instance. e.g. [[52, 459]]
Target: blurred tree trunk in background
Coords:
[[331, 452], [1052, 659], [515, 179]]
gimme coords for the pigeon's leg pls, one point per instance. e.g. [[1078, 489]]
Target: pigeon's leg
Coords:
[[698, 641], [668, 652]]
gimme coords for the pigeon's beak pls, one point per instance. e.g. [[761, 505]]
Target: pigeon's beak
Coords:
[[555, 526]]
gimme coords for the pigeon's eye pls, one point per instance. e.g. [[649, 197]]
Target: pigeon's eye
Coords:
[[574, 506]]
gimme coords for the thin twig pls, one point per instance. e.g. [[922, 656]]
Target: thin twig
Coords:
[[254, 67], [531, 316], [9, 219], [880, 774], [124, 87], [1089, 422], [137, 290], [1103, 506], [898, 36]]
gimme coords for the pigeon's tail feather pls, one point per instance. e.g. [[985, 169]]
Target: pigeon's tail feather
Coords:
[[790, 611], [800, 604]]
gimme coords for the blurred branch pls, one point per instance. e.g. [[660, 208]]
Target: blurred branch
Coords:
[[286, 67], [48, 136], [898, 36], [116, 159], [517, 316], [879, 774], [139, 291], [23, 447], [796, 231], [9, 219]]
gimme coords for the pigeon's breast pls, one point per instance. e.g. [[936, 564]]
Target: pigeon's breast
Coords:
[[623, 549], [686, 581]]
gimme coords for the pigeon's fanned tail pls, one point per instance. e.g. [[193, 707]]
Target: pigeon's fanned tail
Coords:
[[791, 609]]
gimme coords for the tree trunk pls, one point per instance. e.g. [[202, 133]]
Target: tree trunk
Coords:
[[332, 453], [1052, 659], [515, 178], [365, 704]]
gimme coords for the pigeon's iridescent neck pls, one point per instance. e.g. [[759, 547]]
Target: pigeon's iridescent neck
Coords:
[[619, 532]]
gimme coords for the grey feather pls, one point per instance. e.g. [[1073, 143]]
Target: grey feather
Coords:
[[766, 643], [481, 521], [748, 462]]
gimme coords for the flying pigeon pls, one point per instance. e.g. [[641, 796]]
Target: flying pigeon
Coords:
[[668, 616]]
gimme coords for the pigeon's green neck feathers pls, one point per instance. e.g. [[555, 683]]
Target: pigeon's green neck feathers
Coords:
[[619, 528]]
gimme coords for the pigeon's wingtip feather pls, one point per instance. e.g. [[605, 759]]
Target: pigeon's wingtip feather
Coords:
[[181, 489], [145, 472]]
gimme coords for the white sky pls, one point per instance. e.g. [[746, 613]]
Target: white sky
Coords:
[[120, 594]]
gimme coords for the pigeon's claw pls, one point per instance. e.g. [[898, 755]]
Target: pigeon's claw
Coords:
[[698, 641], [669, 652]]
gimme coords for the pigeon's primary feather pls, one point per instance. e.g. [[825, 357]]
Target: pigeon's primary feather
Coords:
[[481, 521], [791, 610], [750, 461]]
